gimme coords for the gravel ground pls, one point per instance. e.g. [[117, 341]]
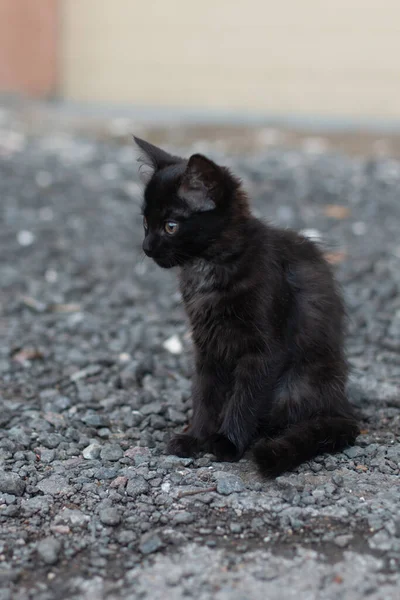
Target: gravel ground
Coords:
[[95, 369]]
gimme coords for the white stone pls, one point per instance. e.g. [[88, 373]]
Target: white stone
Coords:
[[51, 275], [359, 228], [312, 234], [25, 238], [173, 345]]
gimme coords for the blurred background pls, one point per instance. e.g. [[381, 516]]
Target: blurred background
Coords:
[[308, 58]]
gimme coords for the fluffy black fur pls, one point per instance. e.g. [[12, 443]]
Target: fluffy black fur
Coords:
[[266, 319]]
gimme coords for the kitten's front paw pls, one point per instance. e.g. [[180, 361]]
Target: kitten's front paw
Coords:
[[183, 445], [223, 448]]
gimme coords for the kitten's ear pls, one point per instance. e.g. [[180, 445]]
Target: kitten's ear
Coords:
[[152, 159], [201, 183]]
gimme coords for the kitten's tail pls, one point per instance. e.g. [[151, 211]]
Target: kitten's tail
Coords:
[[304, 440]]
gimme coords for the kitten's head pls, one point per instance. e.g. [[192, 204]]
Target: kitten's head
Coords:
[[188, 205]]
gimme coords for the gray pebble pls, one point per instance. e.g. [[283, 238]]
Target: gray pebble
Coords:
[[150, 542], [353, 451], [55, 484], [106, 473], [126, 537], [92, 451], [74, 517], [49, 550], [176, 416], [47, 455], [153, 408], [183, 518], [137, 485], [112, 452], [11, 483], [51, 440], [37, 504], [228, 483], [94, 420], [343, 540], [110, 516]]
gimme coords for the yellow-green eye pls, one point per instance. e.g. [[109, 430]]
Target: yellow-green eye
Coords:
[[145, 224], [171, 227]]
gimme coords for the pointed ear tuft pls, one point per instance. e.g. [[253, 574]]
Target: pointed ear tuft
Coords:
[[201, 183], [152, 159]]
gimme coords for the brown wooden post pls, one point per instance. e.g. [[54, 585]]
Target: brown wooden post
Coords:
[[28, 46]]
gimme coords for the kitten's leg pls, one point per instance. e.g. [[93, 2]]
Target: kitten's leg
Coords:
[[184, 445], [241, 415], [207, 395]]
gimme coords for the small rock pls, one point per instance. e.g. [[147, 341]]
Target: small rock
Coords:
[[380, 541], [54, 402], [51, 440], [92, 452], [89, 371], [257, 523], [19, 436], [104, 432], [94, 420], [136, 486], [312, 234], [393, 453], [62, 529], [106, 473], [126, 537], [25, 238], [150, 542], [49, 550], [46, 455], [120, 481], [152, 408], [337, 479], [37, 504], [173, 345], [343, 540], [11, 483], [138, 454], [183, 518], [235, 527], [112, 452], [353, 451], [110, 516], [176, 416], [56, 484], [228, 483], [157, 422], [75, 517], [172, 461], [128, 376], [133, 418]]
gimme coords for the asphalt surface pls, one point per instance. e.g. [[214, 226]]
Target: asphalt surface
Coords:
[[95, 367]]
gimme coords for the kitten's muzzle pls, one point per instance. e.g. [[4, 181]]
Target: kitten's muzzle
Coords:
[[147, 246]]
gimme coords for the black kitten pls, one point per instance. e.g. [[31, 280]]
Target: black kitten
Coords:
[[266, 318]]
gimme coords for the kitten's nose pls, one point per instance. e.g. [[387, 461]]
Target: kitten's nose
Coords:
[[147, 246]]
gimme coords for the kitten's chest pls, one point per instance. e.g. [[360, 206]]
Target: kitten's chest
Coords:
[[198, 279], [198, 285], [208, 311]]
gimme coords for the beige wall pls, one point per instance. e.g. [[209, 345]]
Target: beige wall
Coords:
[[332, 57]]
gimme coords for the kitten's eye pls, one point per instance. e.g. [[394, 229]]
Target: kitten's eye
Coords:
[[145, 224], [171, 227]]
